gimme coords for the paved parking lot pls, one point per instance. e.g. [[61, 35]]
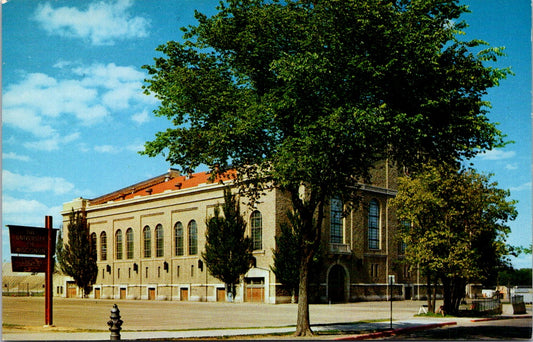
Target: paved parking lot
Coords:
[[168, 315]]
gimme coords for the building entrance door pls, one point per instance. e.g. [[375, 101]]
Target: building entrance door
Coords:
[[336, 284], [255, 290], [151, 294], [184, 294], [122, 293], [221, 295]]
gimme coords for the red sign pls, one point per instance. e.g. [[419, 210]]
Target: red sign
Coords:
[[29, 240], [28, 264]]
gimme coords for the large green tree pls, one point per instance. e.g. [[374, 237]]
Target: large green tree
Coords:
[[307, 95], [458, 227], [77, 257], [228, 252]]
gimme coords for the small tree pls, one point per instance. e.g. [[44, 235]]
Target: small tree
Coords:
[[459, 226], [77, 258], [228, 252], [287, 253]]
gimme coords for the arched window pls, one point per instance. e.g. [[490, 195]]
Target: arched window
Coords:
[[256, 223], [129, 243], [335, 225], [373, 225], [159, 241], [178, 239], [193, 238], [103, 246], [147, 237], [118, 245]]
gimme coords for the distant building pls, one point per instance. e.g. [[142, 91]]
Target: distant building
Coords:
[[150, 236]]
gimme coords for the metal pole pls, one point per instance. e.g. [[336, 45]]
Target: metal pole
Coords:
[[49, 319], [390, 287]]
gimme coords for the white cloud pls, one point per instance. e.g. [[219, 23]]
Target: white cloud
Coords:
[[26, 183], [513, 166], [521, 187], [28, 212], [106, 149], [53, 143], [101, 22], [42, 105], [497, 155], [14, 156], [141, 117]]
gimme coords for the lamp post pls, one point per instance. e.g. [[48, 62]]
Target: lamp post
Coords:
[[391, 282]]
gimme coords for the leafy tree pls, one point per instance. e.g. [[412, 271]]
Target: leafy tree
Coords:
[[77, 258], [307, 95], [228, 252], [286, 254], [458, 226], [512, 277]]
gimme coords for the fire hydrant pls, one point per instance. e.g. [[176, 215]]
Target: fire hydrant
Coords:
[[115, 323]]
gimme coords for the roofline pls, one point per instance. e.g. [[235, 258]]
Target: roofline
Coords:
[[170, 174]]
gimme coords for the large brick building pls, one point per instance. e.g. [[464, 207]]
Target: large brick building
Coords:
[[149, 238]]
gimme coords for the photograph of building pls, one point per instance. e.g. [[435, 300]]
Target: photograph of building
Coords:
[[149, 238]]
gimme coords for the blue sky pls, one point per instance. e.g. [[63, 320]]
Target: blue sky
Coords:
[[74, 115]]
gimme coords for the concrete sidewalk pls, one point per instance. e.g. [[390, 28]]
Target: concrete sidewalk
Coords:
[[352, 329]]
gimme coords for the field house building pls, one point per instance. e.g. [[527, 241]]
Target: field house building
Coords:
[[150, 235]]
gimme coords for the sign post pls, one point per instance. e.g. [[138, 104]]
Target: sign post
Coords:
[[391, 283], [49, 318], [36, 242]]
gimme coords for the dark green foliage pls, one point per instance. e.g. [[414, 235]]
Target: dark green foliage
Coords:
[[288, 253], [512, 277], [458, 226], [77, 258], [228, 253]]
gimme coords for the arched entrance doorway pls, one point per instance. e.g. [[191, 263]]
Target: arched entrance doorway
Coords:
[[337, 284]]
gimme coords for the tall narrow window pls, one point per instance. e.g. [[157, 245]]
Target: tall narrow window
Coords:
[[118, 245], [178, 239], [129, 243], [373, 225], [103, 246], [159, 241], [256, 222], [193, 238], [147, 242], [335, 226]]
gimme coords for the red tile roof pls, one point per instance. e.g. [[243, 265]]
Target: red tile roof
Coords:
[[172, 180]]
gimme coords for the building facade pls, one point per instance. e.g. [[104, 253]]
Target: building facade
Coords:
[[150, 236]]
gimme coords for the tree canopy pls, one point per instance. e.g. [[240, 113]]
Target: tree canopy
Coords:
[[312, 93], [458, 226]]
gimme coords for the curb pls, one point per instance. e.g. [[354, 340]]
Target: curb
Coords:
[[498, 318], [392, 332]]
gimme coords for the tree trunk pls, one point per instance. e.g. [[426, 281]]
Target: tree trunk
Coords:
[[303, 325]]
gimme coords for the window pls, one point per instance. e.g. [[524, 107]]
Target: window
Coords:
[[129, 243], [118, 244], [159, 241], [193, 238], [147, 242], [103, 246], [335, 229], [373, 225], [374, 270], [257, 230], [178, 239]]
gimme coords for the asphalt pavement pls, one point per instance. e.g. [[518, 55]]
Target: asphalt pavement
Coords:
[[77, 319]]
